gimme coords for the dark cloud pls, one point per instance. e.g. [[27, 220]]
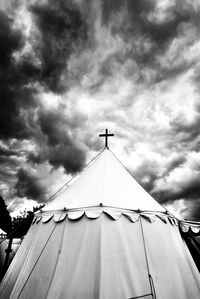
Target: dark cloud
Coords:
[[9, 163], [138, 19], [66, 155], [6, 175], [54, 126], [146, 37], [70, 157], [35, 158], [193, 210], [15, 77], [60, 26], [62, 149], [188, 189], [135, 7], [176, 162], [186, 131], [62, 30], [11, 40], [149, 172], [4, 152], [19, 106], [29, 186], [162, 32]]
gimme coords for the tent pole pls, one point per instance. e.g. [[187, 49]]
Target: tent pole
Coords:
[[8, 251]]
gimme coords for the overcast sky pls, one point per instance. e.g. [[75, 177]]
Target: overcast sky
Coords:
[[70, 69]]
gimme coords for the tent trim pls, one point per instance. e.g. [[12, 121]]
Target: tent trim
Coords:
[[187, 226], [94, 213]]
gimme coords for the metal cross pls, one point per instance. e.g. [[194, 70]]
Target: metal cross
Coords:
[[106, 135]]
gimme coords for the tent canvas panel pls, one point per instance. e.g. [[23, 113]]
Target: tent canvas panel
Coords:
[[169, 260], [99, 261], [43, 246]]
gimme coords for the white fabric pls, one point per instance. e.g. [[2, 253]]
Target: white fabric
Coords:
[[101, 259], [107, 182], [95, 212], [174, 272], [188, 225]]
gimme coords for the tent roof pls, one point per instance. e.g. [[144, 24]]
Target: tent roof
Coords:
[[105, 181]]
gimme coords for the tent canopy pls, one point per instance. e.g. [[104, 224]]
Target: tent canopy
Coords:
[[105, 182]]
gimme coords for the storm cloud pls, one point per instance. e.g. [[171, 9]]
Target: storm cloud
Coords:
[[29, 186], [68, 69], [62, 29], [28, 65]]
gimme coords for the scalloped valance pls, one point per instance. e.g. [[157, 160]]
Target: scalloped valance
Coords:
[[189, 226], [114, 214]]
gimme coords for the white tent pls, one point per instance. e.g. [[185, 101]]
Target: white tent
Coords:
[[103, 237]]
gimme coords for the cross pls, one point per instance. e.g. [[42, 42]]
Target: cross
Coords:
[[106, 135]]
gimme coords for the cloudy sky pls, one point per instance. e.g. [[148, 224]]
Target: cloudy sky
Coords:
[[70, 69]]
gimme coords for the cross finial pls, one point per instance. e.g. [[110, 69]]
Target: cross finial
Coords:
[[106, 135]]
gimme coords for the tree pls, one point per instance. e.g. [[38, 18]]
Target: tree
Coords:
[[21, 224], [5, 219]]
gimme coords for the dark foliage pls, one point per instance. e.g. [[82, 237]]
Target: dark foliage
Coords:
[[21, 224], [5, 219]]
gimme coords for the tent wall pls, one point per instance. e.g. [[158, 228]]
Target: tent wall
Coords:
[[101, 258], [171, 265]]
